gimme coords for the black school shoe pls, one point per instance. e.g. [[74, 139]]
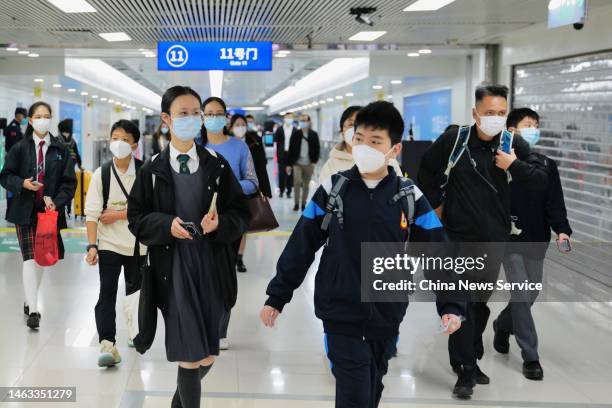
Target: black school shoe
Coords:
[[501, 340], [296, 207], [479, 376], [34, 321], [464, 387], [532, 370], [26, 309], [240, 266]]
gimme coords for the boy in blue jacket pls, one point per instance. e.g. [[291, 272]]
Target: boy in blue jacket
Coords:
[[360, 336]]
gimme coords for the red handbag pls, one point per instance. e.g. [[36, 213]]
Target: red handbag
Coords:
[[46, 250]]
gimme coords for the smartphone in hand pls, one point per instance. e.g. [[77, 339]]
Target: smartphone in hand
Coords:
[[193, 229], [564, 246], [505, 141]]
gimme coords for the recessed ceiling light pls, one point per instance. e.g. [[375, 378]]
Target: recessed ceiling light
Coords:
[[73, 6], [103, 99], [413, 54], [253, 108], [287, 52], [425, 51], [111, 100], [339, 97], [377, 87], [120, 36], [350, 94], [428, 5], [278, 55], [330, 99], [71, 90], [84, 93], [396, 81], [32, 55], [322, 102], [24, 52], [315, 103], [12, 49], [57, 85], [367, 35], [117, 103], [39, 80], [94, 96]]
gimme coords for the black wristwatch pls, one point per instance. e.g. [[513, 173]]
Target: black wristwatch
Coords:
[[92, 246]]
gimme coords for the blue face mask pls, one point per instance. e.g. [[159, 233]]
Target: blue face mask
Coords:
[[186, 128], [531, 135], [215, 124], [24, 121], [304, 125], [164, 130], [251, 126]]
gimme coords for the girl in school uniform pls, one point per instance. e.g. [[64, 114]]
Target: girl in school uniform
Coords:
[[172, 209], [38, 166]]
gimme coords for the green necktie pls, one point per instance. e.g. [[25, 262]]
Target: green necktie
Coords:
[[183, 159]]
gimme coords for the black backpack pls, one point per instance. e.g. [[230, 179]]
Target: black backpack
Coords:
[[106, 176]]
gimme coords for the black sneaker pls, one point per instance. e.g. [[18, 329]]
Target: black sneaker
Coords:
[[501, 340], [296, 207], [34, 321], [303, 207], [240, 266], [26, 309], [288, 195], [532, 370], [280, 194], [464, 387], [480, 377]]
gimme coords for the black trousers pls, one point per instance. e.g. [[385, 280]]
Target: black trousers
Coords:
[[359, 366], [285, 181], [110, 264]]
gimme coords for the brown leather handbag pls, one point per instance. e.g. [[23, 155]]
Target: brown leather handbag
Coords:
[[262, 216]]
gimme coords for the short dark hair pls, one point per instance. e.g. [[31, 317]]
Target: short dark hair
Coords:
[[65, 126], [491, 90], [249, 116], [307, 115], [288, 113], [172, 93], [348, 112], [517, 115], [22, 111], [129, 127], [382, 115], [214, 99], [235, 117], [451, 127]]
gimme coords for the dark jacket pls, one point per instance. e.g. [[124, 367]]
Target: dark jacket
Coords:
[[258, 152], [368, 217], [59, 182], [151, 211], [537, 211], [12, 135], [295, 146], [279, 139], [73, 149], [473, 211]]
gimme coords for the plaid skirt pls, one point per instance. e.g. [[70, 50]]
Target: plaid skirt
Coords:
[[26, 235]]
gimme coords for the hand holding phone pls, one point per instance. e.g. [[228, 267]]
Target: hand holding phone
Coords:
[[564, 245], [193, 229]]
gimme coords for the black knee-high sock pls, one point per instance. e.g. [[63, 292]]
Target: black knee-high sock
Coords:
[[176, 399], [189, 387]]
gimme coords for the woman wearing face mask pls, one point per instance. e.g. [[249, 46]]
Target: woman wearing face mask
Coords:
[[188, 208], [161, 138], [241, 129], [239, 158], [111, 245], [341, 156], [38, 166]]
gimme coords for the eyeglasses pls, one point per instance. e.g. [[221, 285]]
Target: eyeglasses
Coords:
[[212, 116]]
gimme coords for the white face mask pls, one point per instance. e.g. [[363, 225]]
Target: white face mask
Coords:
[[348, 136], [492, 125], [288, 121], [240, 131], [120, 149], [368, 159], [41, 126]]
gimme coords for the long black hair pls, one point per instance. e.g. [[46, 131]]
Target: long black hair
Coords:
[[203, 133], [30, 130]]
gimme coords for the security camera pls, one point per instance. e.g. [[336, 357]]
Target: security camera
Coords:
[[362, 14], [364, 20]]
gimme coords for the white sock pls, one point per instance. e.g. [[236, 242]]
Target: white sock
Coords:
[[32, 276]]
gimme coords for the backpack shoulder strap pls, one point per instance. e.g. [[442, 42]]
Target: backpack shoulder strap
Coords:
[[106, 177], [334, 202], [406, 196], [461, 141]]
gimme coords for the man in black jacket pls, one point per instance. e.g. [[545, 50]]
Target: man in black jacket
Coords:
[[360, 336], [13, 134], [534, 213], [473, 201], [303, 155], [282, 137]]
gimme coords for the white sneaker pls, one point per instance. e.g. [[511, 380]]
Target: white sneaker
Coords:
[[223, 344], [109, 355]]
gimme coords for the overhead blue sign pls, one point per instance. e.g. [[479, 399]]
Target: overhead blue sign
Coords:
[[427, 115], [565, 12], [206, 56]]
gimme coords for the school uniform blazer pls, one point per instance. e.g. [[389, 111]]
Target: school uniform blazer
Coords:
[[151, 210], [59, 181]]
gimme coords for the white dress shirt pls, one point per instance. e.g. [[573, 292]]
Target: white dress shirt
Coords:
[[287, 130], [37, 141], [193, 163]]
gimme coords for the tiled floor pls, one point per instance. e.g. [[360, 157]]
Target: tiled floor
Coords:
[[285, 366]]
